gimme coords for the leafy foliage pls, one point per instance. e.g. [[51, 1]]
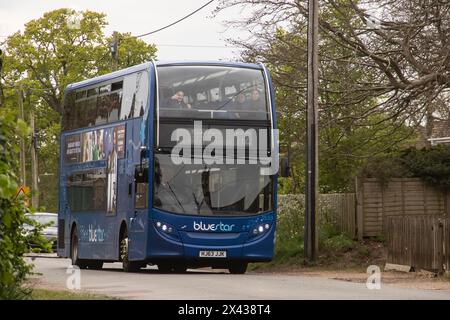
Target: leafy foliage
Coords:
[[430, 164], [335, 248], [384, 168], [332, 240], [14, 240], [132, 51], [290, 229], [354, 123], [61, 47], [373, 79]]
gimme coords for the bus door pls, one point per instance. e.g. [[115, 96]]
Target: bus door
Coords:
[[138, 190], [139, 218]]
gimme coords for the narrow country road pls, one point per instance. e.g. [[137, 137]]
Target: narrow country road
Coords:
[[214, 284]]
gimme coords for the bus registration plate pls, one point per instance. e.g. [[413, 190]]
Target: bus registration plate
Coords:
[[212, 254]]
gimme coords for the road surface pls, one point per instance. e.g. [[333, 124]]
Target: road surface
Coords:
[[215, 284]]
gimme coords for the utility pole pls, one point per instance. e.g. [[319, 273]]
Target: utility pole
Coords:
[[114, 49], [311, 239], [23, 180], [34, 164]]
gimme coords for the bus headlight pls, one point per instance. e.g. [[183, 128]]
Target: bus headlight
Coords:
[[259, 229], [167, 229]]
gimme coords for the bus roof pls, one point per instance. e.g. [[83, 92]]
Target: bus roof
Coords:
[[146, 65], [108, 76], [210, 63]]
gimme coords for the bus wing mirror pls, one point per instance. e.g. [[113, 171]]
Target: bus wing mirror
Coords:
[[285, 169]]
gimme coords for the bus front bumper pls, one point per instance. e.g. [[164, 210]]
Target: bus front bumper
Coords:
[[259, 249]]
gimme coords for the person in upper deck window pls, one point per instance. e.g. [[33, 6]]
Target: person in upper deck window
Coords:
[[177, 101], [256, 101], [241, 102]]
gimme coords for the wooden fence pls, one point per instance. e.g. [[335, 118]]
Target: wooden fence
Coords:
[[398, 197], [422, 242], [413, 216], [338, 209]]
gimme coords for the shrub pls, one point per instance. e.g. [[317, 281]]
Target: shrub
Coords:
[[339, 242], [290, 229], [290, 226], [430, 164], [14, 241]]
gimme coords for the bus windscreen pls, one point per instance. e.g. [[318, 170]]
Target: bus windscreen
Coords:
[[212, 92], [225, 189]]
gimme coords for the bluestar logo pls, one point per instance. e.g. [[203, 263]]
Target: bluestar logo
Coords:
[[212, 226]]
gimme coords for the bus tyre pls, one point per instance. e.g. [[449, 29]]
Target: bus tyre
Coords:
[[95, 264], [164, 267], [127, 265], [179, 268], [74, 251], [238, 268]]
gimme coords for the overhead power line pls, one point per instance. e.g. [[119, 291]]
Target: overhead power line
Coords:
[[175, 22], [195, 46], [167, 26]]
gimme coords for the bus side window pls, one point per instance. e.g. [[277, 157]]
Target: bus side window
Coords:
[[141, 187]]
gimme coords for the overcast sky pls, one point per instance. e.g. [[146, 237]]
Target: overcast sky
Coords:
[[198, 37]]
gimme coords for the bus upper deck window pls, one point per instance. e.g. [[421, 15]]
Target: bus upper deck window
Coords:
[[214, 92], [135, 88]]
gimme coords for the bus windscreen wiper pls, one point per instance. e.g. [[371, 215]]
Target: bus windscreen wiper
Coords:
[[175, 196]]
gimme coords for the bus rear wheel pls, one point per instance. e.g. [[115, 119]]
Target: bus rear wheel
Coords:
[[74, 251], [127, 265], [238, 268]]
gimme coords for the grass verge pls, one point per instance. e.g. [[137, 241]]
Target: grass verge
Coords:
[[47, 294], [337, 251]]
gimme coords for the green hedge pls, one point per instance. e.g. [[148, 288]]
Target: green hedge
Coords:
[[431, 164], [290, 229]]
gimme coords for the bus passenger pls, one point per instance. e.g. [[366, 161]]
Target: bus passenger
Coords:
[[256, 101], [177, 101], [241, 102]]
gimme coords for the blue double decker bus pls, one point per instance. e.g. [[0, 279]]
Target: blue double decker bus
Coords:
[[169, 164]]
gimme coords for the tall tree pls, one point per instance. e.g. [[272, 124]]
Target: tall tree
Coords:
[[357, 118], [66, 46], [61, 47], [403, 44], [132, 50]]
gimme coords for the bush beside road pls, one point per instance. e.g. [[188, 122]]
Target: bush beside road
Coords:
[[337, 250]]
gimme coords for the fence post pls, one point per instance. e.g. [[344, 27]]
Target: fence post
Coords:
[[359, 192], [438, 245]]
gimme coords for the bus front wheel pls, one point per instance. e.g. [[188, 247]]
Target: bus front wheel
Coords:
[[238, 268], [127, 265], [169, 268]]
